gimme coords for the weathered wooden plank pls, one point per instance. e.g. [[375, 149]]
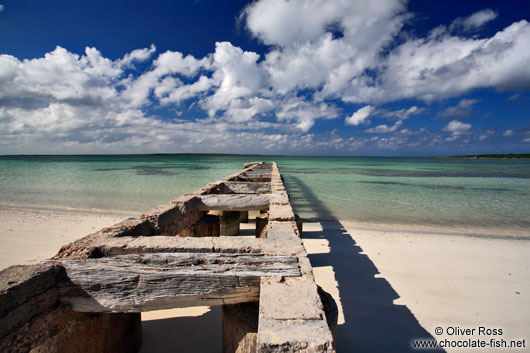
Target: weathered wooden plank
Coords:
[[234, 202], [263, 171], [143, 282], [254, 177], [257, 173], [243, 187], [252, 164]]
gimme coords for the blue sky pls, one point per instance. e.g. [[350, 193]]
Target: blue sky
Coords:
[[379, 77]]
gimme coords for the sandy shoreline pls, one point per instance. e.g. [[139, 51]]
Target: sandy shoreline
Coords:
[[31, 235], [391, 284]]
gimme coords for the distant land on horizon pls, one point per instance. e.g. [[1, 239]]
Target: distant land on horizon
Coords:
[[500, 156]]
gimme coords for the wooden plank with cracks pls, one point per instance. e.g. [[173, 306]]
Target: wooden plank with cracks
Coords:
[[243, 187], [144, 282], [234, 202]]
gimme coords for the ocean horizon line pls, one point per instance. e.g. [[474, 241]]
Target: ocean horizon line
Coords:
[[480, 156], [206, 154]]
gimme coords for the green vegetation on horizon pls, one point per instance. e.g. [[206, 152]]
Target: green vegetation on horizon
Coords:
[[508, 155]]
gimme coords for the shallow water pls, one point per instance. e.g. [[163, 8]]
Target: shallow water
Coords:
[[408, 191]]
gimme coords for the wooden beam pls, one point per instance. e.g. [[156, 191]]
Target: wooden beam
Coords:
[[144, 282], [260, 170], [243, 187], [234, 202], [257, 173], [254, 177], [252, 165]]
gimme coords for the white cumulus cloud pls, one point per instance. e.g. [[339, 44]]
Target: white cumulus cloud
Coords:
[[325, 43], [137, 55], [319, 54], [360, 116], [442, 66], [385, 128], [456, 128], [476, 20], [400, 114], [460, 111]]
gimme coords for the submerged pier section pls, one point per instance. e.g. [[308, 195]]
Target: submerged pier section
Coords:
[[89, 297]]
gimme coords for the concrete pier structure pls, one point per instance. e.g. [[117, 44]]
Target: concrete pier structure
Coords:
[[89, 297]]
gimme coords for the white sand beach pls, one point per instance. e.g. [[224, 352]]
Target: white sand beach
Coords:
[[31, 235], [391, 286]]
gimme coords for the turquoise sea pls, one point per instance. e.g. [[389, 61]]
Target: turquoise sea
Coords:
[[473, 193]]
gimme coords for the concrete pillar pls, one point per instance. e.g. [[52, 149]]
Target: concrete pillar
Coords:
[[299, 223], [65, 331], [253, 214], [261, 225], [330, 309], [240, 327], [229, 223], [33, 320], [99, 332], [243, 217], [208, 226]]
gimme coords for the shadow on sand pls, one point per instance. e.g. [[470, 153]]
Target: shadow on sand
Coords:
[[197, 334], [373, 323]]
